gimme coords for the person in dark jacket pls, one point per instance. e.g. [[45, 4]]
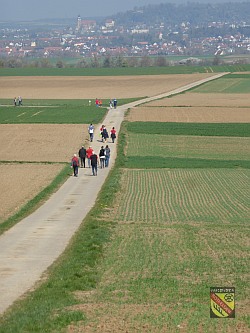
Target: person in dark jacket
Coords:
[[82, 156], [94, 163], [105, 134], [102, 157]]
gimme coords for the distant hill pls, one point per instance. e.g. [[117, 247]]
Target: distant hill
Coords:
[[194, 13]]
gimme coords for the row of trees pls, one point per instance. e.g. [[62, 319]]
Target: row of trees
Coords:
[[108, 62]]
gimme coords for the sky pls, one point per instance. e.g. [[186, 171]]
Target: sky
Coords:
[[28, 10]]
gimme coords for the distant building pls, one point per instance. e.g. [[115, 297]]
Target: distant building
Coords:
[[84, 25]]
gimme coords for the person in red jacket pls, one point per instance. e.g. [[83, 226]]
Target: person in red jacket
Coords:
[[75, 164], [113, 134], [89, 152]]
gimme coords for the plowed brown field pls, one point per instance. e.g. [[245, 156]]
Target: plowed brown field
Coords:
[[190, 114], [60, 87], [40, 143], [21, 182], [195, 107], [197, 99]]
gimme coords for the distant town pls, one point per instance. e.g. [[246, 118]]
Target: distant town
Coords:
[[128, 41]]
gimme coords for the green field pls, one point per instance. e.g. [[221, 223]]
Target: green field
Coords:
[[196, 129], [231, 84], [54, 112], [164, 196]]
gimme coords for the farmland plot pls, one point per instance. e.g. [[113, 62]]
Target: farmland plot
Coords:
[[210, 100], [188, 146], [157, 279], [93, 86], [167, 196], [39, 142], [190, 114], [21, 183]]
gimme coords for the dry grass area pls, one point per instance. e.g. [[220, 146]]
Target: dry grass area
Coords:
[[22, 182], [198, 99], [60, 87], [190, 114], [40, 142]]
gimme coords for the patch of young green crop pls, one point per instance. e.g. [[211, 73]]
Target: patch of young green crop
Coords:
[[149, 162], [186, 147], [182, 195], [64, 114], [197, 129], [237, 76], [225, 85]]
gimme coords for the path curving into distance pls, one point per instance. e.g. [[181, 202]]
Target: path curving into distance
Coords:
[[33, 244]]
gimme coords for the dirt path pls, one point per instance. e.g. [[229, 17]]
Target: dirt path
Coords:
[[30, 247]]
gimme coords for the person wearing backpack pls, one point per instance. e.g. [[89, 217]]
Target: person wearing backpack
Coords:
[[75, 165]]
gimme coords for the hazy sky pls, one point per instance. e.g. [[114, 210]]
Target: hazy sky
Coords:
[[19, 10]]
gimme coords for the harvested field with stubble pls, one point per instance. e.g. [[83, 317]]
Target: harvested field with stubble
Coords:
[[21, 183]]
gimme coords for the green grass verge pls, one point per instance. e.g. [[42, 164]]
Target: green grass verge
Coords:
[[37, 201], [197, 129]]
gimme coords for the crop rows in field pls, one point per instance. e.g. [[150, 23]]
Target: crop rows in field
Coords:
[[184, 195]]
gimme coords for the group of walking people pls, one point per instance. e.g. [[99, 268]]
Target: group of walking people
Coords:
[[18, 101], [94, 159], [102, 159], [103, 133]]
